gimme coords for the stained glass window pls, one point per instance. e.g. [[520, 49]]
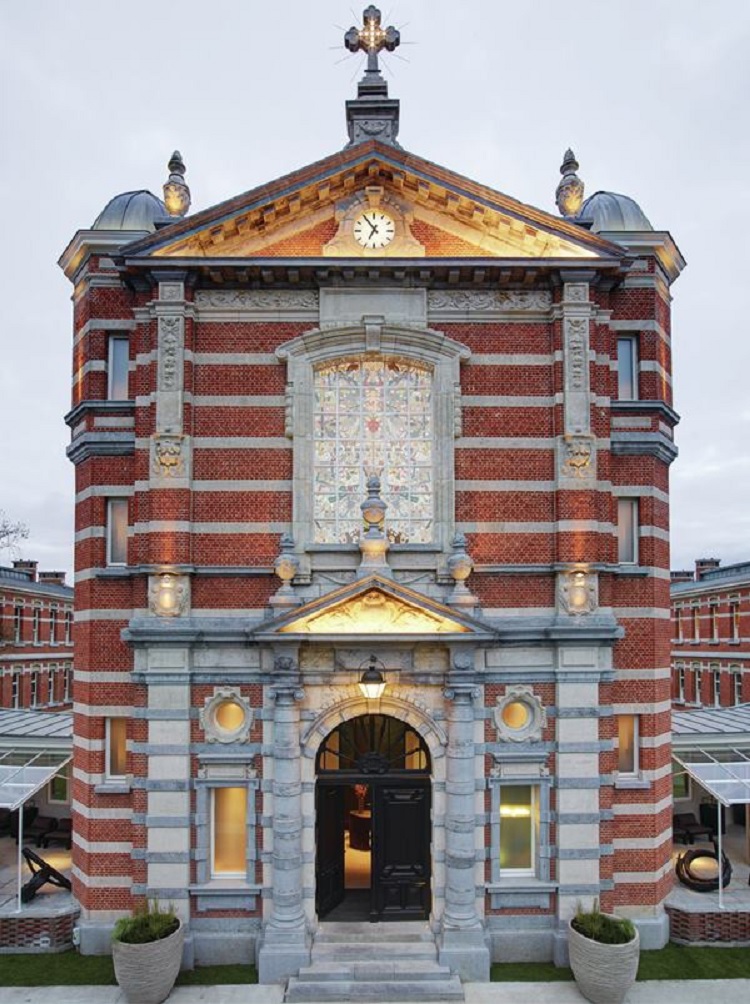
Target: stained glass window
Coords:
[[373, 416]]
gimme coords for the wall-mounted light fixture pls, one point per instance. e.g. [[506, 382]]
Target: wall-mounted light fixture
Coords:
[[372, 681]]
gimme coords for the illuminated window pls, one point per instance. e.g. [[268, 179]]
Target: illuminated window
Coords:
[[36, 618], [117, 531], [519, 829], [229, 832], [627, 531], [627, 745], [115, 765], [627, 367], [17, 624], [373, 416], [117, 368]]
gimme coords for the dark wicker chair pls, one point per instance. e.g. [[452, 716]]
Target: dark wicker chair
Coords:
[[61, 836], [686, 827]]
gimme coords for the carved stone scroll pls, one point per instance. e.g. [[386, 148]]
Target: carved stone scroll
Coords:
[[576, 320], [170, 374]]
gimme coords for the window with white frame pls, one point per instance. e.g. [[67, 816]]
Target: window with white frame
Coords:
[[58, 790], [15, 690], [18, 623], [67, 681], [68, 627], [33, 688], [51, 684], [36, 620], [696, 617], [373, 416], [115, 748], [698, 684], [713, 611], [681, 683], [681, 787], [519, 829], [117, 531], [734, 620], [678, 624], [716, 685], [627, 367], [53, 626], [117, 368], [627, 531], [627, 745], [229, 832], [736, 685]]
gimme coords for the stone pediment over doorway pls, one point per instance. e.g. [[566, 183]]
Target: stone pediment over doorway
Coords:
[[374, 607]]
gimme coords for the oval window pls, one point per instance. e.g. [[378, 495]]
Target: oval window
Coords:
[[229, 716], [516, 715]]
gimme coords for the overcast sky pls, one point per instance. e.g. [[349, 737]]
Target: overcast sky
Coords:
[[653, 95]]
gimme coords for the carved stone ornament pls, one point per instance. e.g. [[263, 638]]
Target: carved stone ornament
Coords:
[[170, 350], [284, 664], [169, 455], [569, 194], [168, 594], [495, 300], [576, 292], [519, 716], [258, 299], [576, 337], [578, 592], [171, 291], [578, 457], [226, 716]]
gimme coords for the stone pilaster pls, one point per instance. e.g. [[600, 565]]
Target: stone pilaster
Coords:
[[170, 449], [285, 946], [462, 945]]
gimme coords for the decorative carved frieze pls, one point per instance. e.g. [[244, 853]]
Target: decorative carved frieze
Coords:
[[576, 292], [258, 299], [168, 595], [169, 457], [464, 300], [171, 291], [169, 379], [577, 458], [576, 322]]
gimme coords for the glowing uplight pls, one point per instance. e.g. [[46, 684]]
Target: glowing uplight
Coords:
[[372, 683]]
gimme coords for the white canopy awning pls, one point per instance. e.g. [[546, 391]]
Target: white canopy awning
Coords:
[[23, 773], [725, 773]]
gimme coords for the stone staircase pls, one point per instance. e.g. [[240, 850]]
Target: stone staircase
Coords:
[[374, 962]]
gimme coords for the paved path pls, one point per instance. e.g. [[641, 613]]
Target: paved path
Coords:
[[651, 992]]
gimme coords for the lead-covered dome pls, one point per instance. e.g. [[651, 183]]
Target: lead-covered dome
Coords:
[[609, 211], [132, 211]]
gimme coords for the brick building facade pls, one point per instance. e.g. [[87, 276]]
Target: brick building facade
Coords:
[[710, 617], [372, 326], [36, 638]]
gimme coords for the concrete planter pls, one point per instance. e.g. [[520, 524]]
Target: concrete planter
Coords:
[[604, 973], [147, 972]]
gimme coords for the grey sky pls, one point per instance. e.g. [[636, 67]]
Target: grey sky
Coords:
[[652, 95]]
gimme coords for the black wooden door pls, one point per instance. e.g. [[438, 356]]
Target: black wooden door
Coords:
[[329, 864], [401, 851]]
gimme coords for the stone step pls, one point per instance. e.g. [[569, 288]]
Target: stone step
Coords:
[[388, 932], [348, 950], [385, 968], [375, 990]]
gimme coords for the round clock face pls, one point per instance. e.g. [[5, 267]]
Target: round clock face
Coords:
[[374, 229]]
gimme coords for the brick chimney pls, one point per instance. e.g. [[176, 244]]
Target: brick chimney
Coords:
[[29, 567], [52, 578], [681, 575], [703, 565]]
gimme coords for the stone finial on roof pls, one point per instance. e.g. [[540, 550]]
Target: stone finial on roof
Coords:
[[176, 191], [569, 194]]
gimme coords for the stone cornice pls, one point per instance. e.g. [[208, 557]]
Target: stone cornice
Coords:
[[660, 408], [87, 242], [100, 444], [84, 408], [638, 444], [659, 243]]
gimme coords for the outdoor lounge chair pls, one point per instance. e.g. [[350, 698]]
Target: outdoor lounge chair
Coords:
[[5, 821], [61, 836], [686, 827]]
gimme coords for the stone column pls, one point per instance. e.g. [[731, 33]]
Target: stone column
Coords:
[[285, 947], [462, 944]]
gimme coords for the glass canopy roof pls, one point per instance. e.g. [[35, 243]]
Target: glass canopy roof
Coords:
[[23, 772], [725, 773]]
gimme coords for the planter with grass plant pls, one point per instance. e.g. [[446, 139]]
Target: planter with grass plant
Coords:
[[604, 952], [147, 952]]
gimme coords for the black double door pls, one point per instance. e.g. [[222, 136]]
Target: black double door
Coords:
[[400, 846]]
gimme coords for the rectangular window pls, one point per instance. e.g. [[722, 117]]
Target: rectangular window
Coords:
[[34, 689], [627, 744], [678, 624], [67, 680], [51, 685], [680, 783], [716, 686], [15, 690], [681, 683], [59, 787], [229, 832], [627, 368], [519, 828], [737, 687], [627, 531], [117, 531], [68, 627], [714, 621], [116, 748], [696, 623], [698, 684], [36, 618], [53, 626], [17, 624], [734, 621], [117, 368]]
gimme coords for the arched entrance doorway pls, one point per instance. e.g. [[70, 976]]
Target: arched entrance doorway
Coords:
[[372, 802]]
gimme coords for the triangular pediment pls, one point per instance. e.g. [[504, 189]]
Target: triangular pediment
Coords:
[[374, 607], [438, 214]]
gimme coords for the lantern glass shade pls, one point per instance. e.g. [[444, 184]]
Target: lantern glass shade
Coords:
[[372, 683]]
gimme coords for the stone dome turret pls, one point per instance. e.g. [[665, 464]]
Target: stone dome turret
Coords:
[[609, 211], [132, 211]]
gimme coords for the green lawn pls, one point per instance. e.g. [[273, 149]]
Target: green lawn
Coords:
[[72, 969], [675, 962]]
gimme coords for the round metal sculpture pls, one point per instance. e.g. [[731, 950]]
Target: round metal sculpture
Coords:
[[689, 871], [41, 873]]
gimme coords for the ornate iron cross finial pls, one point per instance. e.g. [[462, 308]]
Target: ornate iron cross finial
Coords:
[[372, 38]]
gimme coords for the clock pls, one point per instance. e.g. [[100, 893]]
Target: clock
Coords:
[[374, 229]]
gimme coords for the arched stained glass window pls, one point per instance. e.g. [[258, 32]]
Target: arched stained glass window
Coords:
[[373, 416], [373, 744]]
